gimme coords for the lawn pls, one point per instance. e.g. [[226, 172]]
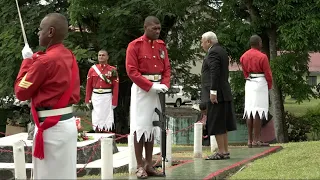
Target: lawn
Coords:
[[299, 109], [86, 124], [294, 161]]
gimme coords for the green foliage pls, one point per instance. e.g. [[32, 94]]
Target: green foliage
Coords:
[[300, 24], [14, 113], [82, 136], [11, 42], [113, 24], [19, 116], [234, 30], [289, 70], [237, 83], [312, 116], [81, 105], [298, 127], [9, 59], [191, 85]]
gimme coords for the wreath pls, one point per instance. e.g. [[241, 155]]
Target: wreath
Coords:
[[82, 135]]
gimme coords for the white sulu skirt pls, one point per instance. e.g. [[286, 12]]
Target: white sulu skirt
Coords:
[[102, 113], [142, 113], [256, 98], [60, 152]]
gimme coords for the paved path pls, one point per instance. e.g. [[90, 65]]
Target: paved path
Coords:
[[209, 169]]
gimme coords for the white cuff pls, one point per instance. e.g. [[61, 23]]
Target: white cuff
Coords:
[[213, 92]]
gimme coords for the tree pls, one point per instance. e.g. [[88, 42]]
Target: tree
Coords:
[[113, 24], [288, 26]]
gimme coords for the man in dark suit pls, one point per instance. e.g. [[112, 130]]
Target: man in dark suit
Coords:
[[216, 92]]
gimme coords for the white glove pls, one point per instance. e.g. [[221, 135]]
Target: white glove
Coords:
[[159, 88], [88, 105], [27, 52], [113, 107]]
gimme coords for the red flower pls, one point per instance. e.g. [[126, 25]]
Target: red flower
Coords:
[[78, 123]]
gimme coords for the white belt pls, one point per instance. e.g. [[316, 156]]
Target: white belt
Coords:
[[153, 77], [102, 90], [256, 75], [55, 112]]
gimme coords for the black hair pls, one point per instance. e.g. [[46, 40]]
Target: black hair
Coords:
[[203, 106]]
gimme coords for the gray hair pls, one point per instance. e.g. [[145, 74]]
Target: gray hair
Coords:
[[211, 36]]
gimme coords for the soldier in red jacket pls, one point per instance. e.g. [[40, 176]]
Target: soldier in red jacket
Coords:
[[102, 91], [148, 66], [50, 80], [256, 70]]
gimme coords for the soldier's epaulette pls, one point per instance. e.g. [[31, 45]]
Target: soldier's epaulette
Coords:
[[160, 41], [40, 56], [37, 55], [140, 39], [113, 67]]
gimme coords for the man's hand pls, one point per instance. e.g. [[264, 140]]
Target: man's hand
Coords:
[[213, 99], [159, 88], [26, 52]]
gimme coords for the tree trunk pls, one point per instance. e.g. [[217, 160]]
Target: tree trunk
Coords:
[[83, 36], [265, 43], [277, 108], [121, 118]]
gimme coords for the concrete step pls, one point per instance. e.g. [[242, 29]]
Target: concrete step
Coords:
[[120, 159], [120, 163], [85, 148]]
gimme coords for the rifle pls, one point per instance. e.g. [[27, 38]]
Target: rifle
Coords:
[[163, 125]]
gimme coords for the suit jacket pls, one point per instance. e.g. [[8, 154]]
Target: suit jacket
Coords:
[[215, 74]]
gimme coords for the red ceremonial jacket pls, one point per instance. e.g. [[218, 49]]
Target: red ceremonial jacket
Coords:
[[145, 56], [46, 76], [254, 61], [94, 81]]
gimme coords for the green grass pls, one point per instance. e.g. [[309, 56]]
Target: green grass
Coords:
[[294, 161], [299, 109], [86, 122], [86, 126], [115, 175]]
